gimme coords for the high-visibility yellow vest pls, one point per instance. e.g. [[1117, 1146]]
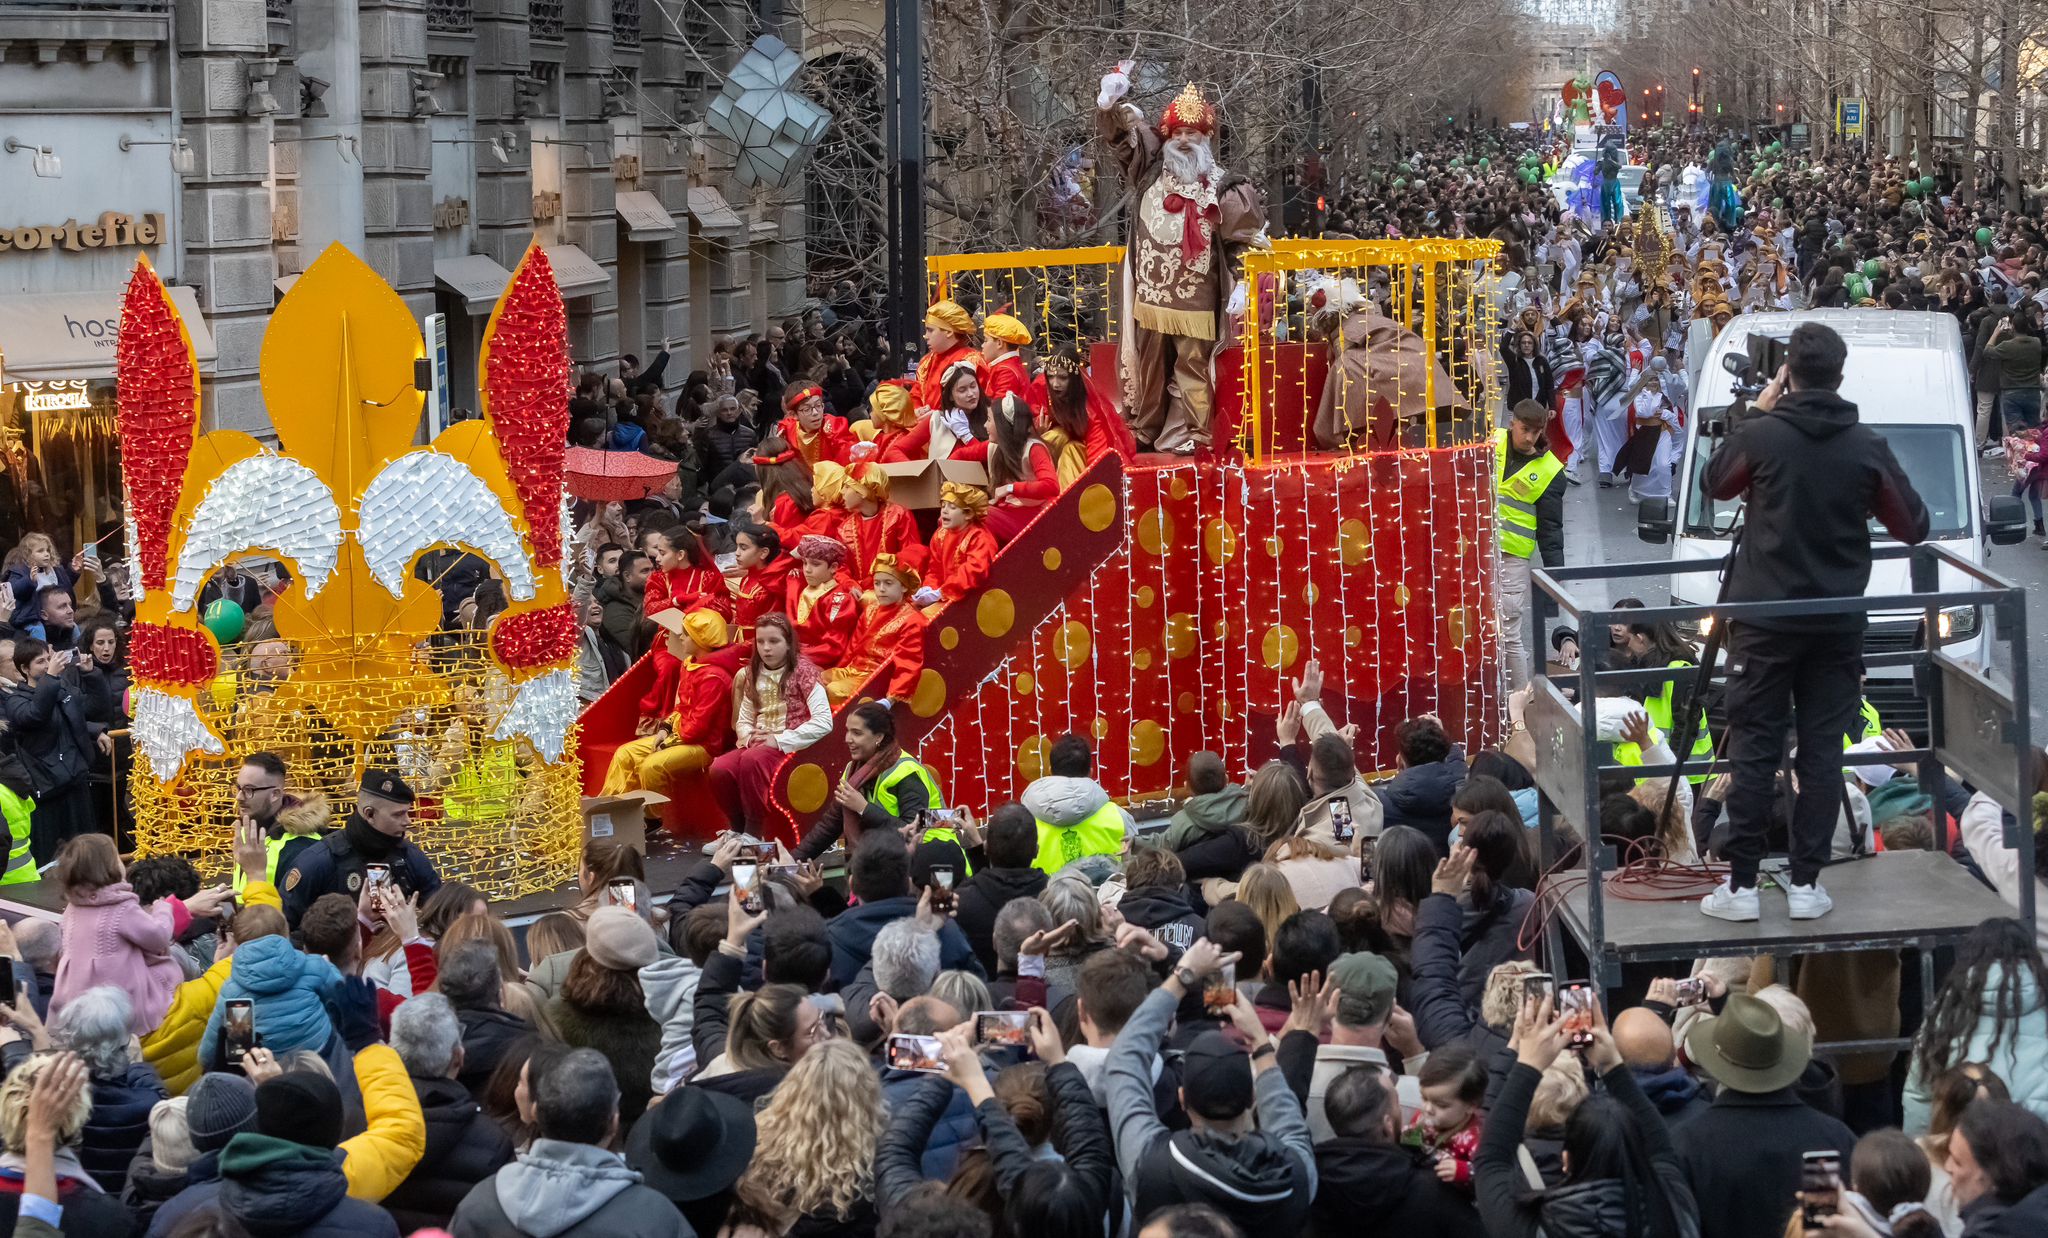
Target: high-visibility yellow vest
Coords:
[[1099, 833], [21, 866], [885, 795], [1659, 709], [272, 849], [1873, 726], [1518, 494]]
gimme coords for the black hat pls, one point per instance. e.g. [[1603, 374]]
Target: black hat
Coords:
[[692, 1145], [302, 1107], [1216, 1078], [219, 1107], [386, 785]]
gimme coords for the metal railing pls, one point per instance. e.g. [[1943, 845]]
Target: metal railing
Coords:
[[544, 18], [626, 23], [1976, 726]]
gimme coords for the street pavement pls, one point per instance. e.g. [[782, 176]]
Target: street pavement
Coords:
[[1600, 527]]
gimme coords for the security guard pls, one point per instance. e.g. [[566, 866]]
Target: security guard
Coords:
[[1531, 509], [374, 834], [884, 788]]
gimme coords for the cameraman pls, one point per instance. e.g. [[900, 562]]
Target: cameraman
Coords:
[[1813, 477]]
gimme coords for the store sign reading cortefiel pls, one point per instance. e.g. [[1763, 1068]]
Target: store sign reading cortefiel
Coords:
[[114, 230]]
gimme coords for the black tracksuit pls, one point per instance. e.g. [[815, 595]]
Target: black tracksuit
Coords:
[[1814, 476]]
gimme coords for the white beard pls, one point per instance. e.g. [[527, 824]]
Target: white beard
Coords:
[[1191, 165]]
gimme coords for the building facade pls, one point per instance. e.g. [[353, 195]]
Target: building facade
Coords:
[[231, 141]]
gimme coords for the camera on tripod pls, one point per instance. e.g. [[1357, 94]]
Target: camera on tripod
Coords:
[[1753, 370]]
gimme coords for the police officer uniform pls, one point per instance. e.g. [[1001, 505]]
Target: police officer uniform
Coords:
[[338, 863]]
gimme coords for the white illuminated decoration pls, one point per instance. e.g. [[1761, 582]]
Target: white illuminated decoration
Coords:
[[544, 710], [166, 729], [262, 502], [56, 396], [428, 498], [134, 545]]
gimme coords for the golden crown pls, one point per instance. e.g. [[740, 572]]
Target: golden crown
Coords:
[[1188, 111]]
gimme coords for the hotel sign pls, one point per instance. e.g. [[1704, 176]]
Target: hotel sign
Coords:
[[113, 230]]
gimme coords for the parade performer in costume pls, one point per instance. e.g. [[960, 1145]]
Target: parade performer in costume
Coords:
[[684, 577], [1001, 337], [1611, 159], [941, 433], [948, 340], [1190, 221], [764, 589], [779, 707], [795, 500], [892, 417], [816, 435], [824, 609], [1378, 384], [890, 636], [872, 525], [1021, 475], [683, 744], [1723, 203], [1076, 421], [962, 551]]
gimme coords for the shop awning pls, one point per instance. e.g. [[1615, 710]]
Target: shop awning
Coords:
[[714, 218], [646, 219], [71, 334], [478, 280], [575, 273]]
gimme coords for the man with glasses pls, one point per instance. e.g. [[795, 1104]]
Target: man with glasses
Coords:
[[375, 833], [260, 797]]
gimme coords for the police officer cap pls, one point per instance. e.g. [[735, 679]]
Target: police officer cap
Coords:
[[386, 785]]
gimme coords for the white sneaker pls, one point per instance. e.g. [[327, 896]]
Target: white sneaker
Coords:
[[1728, 903], [1995, 451], [1808, 902]]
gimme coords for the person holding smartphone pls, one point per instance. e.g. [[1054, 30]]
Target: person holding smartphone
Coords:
[[375, 833]]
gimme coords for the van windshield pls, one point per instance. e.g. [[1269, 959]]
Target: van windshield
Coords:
[[1933, 457]]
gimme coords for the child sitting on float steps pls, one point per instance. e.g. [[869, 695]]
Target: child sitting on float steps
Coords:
[[682, 745]]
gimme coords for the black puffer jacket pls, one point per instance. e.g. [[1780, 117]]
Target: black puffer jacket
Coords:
[[1363, 1187], [486, 1035], [1155, 907], [148, 1187], [1420, 797], [463, 1148], [118, 1124], [982, 897]]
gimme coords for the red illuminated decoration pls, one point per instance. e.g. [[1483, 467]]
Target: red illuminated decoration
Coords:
[[185, 657], [158, 415], [526, 390], [536, 638]]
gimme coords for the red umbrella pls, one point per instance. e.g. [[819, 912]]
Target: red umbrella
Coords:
[[615, 476]]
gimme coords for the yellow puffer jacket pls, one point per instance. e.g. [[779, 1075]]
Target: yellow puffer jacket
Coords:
[[386, 1153], [173, 1048]]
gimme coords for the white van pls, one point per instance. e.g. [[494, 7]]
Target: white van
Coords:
[[1906, 376]]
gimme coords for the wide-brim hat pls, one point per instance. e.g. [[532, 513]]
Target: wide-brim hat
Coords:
[[692, 1145], [1748, 1048]]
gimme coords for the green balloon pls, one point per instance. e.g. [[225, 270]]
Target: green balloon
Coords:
[[1926, 184], [1399, 183], [1485, 163], [1872, 267], [1457, 161], [225, 620], [1403, 168]]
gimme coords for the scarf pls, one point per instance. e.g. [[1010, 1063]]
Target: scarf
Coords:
[[367, 840], [70, 1171], [861, 776]]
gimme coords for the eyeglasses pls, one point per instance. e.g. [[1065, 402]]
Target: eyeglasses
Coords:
[[243, 788]]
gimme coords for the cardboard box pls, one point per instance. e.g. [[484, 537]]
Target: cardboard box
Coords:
[[622, 818], [915, 483]]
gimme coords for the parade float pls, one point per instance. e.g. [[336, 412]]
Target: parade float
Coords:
[[361, 670]]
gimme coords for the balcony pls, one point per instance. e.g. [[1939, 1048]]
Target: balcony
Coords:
[[544, 18], [626, 23], [129, 28], [450, 16]]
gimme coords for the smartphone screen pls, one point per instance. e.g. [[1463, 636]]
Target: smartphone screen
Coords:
[[763, 852], [922, 1053], [1220, 992], [1538, 986], [1576, 1004], [1340, 820], [1692, 992], [377, 874], [1002, 1027], [624, 894], [238, 1029], [785, 872], [745, 886], [1820, 1186], [942, 876], [7, 989]]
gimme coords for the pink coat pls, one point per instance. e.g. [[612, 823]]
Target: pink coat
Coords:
[[110, 938]]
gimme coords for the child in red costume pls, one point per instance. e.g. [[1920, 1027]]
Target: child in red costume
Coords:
[[794, 499], [684, 577], [1076, 422], [892, 418], [944, 433], [948, 340], [682, 744], [1002, 336], [824, 609], [890, 636], [872, 525], [1021, 474], [962, 551], [757, 549], [815, 434]]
